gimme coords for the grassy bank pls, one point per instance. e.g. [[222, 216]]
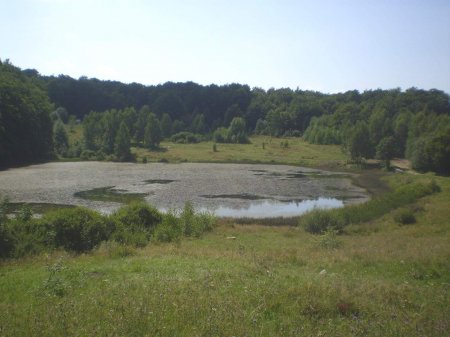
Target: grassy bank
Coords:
[[382, 279]]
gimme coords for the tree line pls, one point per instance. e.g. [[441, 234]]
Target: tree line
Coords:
[[372, 124]]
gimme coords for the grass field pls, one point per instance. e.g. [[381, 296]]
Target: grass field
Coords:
[[381, 279], [298, 153]]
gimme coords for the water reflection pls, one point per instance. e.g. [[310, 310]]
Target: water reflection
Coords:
[[271, 209]]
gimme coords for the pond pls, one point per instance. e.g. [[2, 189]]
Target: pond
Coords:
[[229, 190]]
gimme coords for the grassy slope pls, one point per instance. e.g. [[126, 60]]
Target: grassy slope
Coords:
[[384, 280], [299, 152]]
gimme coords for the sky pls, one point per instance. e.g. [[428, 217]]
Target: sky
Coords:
[[323, 45]]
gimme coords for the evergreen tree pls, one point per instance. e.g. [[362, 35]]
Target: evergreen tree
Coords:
[[166, 125], [152, 132], [122, 143]]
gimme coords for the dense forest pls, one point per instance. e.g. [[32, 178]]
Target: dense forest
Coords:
[[382, 124]]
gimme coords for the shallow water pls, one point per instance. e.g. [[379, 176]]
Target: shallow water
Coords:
[[235, 190]]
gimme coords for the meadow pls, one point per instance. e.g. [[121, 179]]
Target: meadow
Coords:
[[262, 149], [381, 276]]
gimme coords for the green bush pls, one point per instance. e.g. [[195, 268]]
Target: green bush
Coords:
[[185, 137], [77, 229], [318, 221], [221, 135], [329, 239], [404, 216], [29, 237], [170, 229], [131, 236], [134, 223], [138, 215], [188, 223], [195, 224]]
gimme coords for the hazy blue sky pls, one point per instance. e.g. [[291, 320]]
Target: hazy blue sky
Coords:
[[329, 46]]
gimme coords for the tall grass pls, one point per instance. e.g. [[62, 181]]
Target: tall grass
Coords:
[[319, 220]]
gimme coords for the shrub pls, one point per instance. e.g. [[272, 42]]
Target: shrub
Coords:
[[187, 218], [135, 223], [138, 215], [5, 237], [221, 135], [28, 237], [203, 222], [318, 221], [188, 223], [170, 229], [6, 241], [185, 137], [404, 216], [329, 239], [77, 229], [88, 155]]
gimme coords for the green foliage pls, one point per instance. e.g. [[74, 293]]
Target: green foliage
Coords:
[[237, 132], [114, 249], [329, 239], [385, 150], [195, 224], [166, 125], [214, 147], [279, 121], [6, 244], [135, 223], [438, 152], [317, 221], [29, 237], [110, 122], [141, 123], [170, 229], [284, 144], [25, 124], [404, 216], [60, 140], [262, 127], [357, 143], [60, 114], [54, 285], [77, 229], [122, 144], [322, 131], [199, 124], [153, 134], [185, 137], [221, 135], [138, 215]]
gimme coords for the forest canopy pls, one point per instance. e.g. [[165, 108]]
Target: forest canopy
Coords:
[[381, 124]]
